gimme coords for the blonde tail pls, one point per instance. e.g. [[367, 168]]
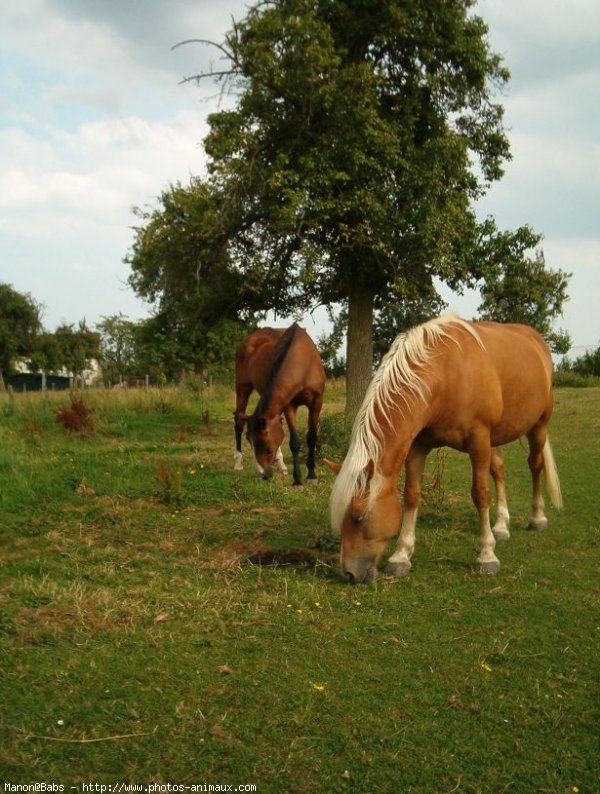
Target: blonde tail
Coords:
[[551, 475]]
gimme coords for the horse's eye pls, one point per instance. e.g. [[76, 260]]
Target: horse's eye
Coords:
[[358, 519]]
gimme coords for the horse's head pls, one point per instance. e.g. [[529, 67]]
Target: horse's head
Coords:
[[370, 520], [266, 435]]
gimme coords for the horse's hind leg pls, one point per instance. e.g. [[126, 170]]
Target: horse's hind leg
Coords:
[[501, 527], [537, 439], [290, 417], [399, 563], [480, 453], [311, 437]]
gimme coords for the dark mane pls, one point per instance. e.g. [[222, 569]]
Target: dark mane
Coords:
[[281, 351]]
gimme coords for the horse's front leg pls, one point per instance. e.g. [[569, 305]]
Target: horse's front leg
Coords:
[[290, 418], [502, 526], [242, 395], [314, 412], [399, 563], [480, 452], [279, 461]]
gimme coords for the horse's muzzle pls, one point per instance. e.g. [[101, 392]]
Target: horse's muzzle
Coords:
[[267, 473], [365, 576]]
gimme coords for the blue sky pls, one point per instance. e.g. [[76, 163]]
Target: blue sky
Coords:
[[94, 121]]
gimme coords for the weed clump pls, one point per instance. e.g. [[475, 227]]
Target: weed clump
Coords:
[[170, 484], [77, 417]]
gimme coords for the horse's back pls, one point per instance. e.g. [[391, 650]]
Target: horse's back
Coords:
[[518, 353], [308, 361], [256, 353], [504, 383], [254, 356]]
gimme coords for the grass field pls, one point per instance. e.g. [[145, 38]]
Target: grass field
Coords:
[[166, 620]]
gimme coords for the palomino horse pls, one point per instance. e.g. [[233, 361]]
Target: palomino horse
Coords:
[[448, 382], [285, 368]]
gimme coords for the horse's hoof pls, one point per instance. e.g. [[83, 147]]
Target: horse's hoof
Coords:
[[397, 569], [298, 485], [312, 480], [489, 567], [537, 524], [501, 534]]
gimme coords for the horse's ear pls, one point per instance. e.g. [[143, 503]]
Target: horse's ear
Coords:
[[331, 464]]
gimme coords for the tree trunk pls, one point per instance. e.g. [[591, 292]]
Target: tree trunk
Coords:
[[359, 350]]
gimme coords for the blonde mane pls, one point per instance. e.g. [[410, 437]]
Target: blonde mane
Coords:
[[398, 375]]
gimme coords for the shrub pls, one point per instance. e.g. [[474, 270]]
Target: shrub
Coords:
[[77, 417]]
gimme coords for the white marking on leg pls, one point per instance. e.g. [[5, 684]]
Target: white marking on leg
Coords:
[[258, 467], [280, 462], [238, 464], [487, 560], [538, 518], [502, 525], [406, 540], [501, 528]]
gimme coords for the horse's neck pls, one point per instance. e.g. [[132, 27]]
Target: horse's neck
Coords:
[[282, 389], [404, 425], [279, 397]]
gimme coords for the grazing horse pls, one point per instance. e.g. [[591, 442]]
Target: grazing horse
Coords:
[[285, 368], [472, 386]]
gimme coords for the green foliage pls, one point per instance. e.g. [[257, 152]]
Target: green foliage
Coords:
[[334, 437], [361, 135], [347, 157], [519, 288], [405, 306], [19, 324], [69, 347], [588, 363], [181, 265], [118, 348]]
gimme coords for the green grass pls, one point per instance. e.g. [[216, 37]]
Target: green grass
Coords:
[[166, 619]]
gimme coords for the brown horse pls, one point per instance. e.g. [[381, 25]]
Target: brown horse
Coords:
[[285, 368], [470, 386]]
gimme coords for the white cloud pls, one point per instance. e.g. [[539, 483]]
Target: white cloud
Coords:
[[102, 167]]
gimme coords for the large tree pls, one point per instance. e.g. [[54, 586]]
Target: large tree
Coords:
[[19, 324], [361, 134]]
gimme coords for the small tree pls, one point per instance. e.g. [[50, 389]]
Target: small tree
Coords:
[[118, 348], [76, 346], [19, 324], [519, 288], [588, 363]]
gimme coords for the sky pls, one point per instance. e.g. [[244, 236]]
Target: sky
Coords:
[[95, 120]]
